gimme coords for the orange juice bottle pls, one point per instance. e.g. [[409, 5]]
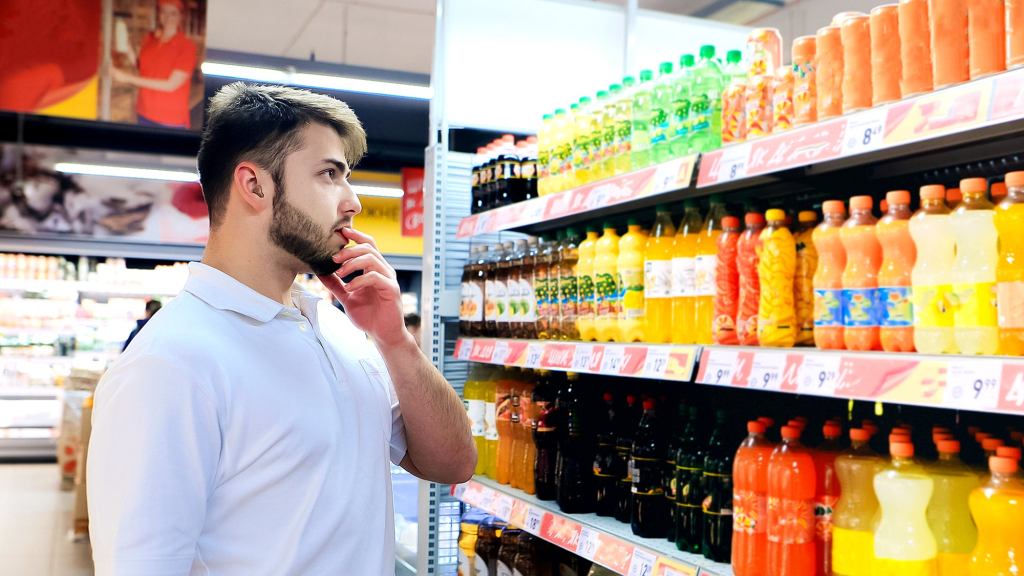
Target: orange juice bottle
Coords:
[[803, 283], [607, 295], [505, 396], [898, 254], [658, 277], [527, 459], [860, 277], [727, 279], [585, 286], [997, 510], [632, 326], [750, 283], [828, 278], [684, 262], [1009, 221], [707, 250], [776, 268]]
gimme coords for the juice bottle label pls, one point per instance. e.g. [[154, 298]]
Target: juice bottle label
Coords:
[[474, 303], [569, 300], [823, 517], [500, 291], [514, 298], [490, 302], [1010, 296], [645, 474], [659, 125], [658, 278], [476, 410], [681, 118], [749, 512], [624, 137], [527, 302], [606, 292], [895, 306], [633, 292], [794, 521], [585, 287], [828, 308], [932, 306], [608, 141], [700, 114], [860, 308], [975, 305], [490, 421], [704, 277], [684, 277], [734, 116], [540, 293]]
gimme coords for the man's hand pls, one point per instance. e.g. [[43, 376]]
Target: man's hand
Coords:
[[372, 301]]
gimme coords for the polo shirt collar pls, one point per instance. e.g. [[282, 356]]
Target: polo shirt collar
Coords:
[[226, 293]]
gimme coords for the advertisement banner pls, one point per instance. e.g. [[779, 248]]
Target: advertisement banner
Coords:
[[412, 202]]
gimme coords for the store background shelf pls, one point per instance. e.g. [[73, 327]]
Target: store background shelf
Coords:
[[606, 541], [9, 286]]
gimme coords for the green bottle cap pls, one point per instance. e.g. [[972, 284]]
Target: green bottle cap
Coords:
[[560, 234], [560, 112], [607, 224], [584, 100], [687, 60], [733, 56], [592, 228], [689, 203], [574, 106], [615, 88], [647, 75], [662, 208], [665, 68], [628, 81], [707, 52], [547, 117], [601, 95], [716, 199], [633, 222], [570, 232]]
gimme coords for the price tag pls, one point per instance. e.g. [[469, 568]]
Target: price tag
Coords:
[[733, 164], [589, 541], [597, 198], [1015, 395], [865, 131], [500, 354], [581, 358], [643, 563], [503, 507], [973, 384], [767, 371], [657, 362], [819, 374], [533, 355], [720, 367], [534, 518], [486, 500], [466, 346], [613, 359]]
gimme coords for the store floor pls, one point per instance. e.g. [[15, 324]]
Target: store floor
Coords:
[[35, 519]]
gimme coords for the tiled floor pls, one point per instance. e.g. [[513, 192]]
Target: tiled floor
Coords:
[[35, 520]]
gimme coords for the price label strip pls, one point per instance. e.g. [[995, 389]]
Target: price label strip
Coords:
[[534, 352], [503, 507], [500, 354], [581, 357], [643, 563], [465, 347], [534, 520], [865, 131], [613, 360], [719, 367], [973, 384], [588, 544], [656, 363], [767, 371], [667, 567], [819, 374], [733, 164]]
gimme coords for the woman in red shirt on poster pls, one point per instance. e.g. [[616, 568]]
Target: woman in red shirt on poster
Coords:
[[166, 61]]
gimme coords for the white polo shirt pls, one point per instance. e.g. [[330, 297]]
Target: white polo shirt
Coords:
[[237, 436]]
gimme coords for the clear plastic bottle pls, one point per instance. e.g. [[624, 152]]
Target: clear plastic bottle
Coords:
[[977, 254], [706, 110], [706, 261], [931, 277], [854, 514], [568, 286], [679, 133], [624, 128], [948, 513], [661, 113], [658, 278], [684, 262], [642, 112], [904, 543]]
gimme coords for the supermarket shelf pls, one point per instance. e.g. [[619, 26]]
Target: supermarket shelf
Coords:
[[605, 541], [634, 190], [664, 362], [28, 393], [91, 289], [43, 447]]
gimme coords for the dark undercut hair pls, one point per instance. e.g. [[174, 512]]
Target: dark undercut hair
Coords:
[[262, 125]]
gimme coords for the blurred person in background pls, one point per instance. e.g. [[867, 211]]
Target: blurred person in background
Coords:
[[412, 324], [152, 307]]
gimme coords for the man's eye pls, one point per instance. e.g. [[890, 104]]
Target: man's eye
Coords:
[[330, 172]]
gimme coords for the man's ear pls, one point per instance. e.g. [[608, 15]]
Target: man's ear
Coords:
[[252, 185]]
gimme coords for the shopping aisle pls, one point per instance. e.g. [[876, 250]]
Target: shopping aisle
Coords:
[[35, 523]]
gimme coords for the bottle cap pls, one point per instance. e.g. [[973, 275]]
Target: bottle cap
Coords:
[[584, 100], [1015, 179], [898, 197], [833, 207], [898, 436], [707, 51], [608, 397], [801, 419], [753, 219], [980, 437], [990, 444], [901, 449], [573, 107], [948, 447], [791, 432], [859, 435], [807, 216], [1009, 452], [628, 81], [797, 424], [775, 215], [559, 111], [767, 421], [832, 430], [602, 94], [730, 222], [940, 436], [646, 75], [998, 190], [615, 88], [804, 47], [953, 196], [633, 222], [933, 192], [1002, 465], [974, 185], [607, 225], [649, 404], [687, 60], [861, 203], [630, 399], [570, 232], [884, 205], [665, 68], [662, 209], [940, 429], [755, 427]]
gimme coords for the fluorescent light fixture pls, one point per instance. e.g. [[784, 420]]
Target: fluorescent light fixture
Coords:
[[126, 172], [378, 191], [340, 83]]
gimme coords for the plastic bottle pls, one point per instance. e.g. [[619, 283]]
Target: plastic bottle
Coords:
[[805, 95], [507, 406], [575, 451], [658, 278], [750, 502], [632, 327], [950, 61], [886, 65], [791, 488], [581, 144], [776, 268], [996, 508], [492, 294], [586, 310], [526, 263], [520, 301], [706, 109], [855, 32], [783, 83], [608, 129], [508, 307], [758, 105], [750, 284], [488, 545], [860, 277], [606, 463], [689, 486], [727, 281], [507, 551], [545, 141], [829, 72], [977, 254], [803, 281], [649, 518], [1009, 221], [682, 97], [545, 438], [600, 153], [546, 249], [568, 286], [827, 493], [473, 398], [488, 390], [986, 35], [469, 528], [948, 514], [853, 516], [674, 439], [734, 108], [828, 283], [896, 331], [624, 127], [1014, 33], [524, 452], [915, 47], [606, 285], [904, 544], [684, 263], [718, 491], [661, 113], [931, 277], [557, 160], [642, 112], [626, 429], [704, 266]]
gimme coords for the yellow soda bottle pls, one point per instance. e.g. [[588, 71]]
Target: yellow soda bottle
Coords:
[[585, 286], [624, 128], [706, 261], [473, 398], [1009, 222], [658, 278], [803, 283], [975, 320], [609, 130], [599, 152], [948, 513], [632, 327], [684, 263], [606, 285], [904, 543], [488, 387], [582, 155], [776, 323], [544, 146]]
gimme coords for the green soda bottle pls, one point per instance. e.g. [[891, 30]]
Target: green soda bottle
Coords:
[[641, 146], [661, 113], [706, 110], [609, 129], [599, 120], [624, 127], [581, 150], [679, 132]]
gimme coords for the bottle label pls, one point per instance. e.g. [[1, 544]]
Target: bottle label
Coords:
[[684, 277], [932, 306], [718, 497], [527, 302], [569, 300], [895, 307], [669, 480], [480, 566], [823, 517], [975, 305], [658, 278], [512, 286], [585, 288], [704, 279], [860, 309], [1010, 297], [790, 521], [750, 512], [503, 569], [608, 141], [624, 137], [476, 410], [540, 293], [633, 292], [645, 474], [700, 113], [606, 291], [474, 303], [659, 125], [490, 302], [490, 421], [501, 300], [681, 118], [688, 483]]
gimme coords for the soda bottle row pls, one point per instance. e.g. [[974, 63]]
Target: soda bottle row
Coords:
[[489, 546], [505, 172], [643, 120]]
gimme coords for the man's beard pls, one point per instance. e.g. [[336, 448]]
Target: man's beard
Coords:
[[297, 234]]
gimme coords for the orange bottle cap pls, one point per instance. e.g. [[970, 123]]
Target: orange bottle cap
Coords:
[[954, 196], [801, 419], [730, 222], [861, 203], [832, 430], [791, 432], [973, 185], [998, 190], [859, 434], [901, 449], [1015, 179], [755, 427], [990, 444], [899, 437], [940, 436], [940, 429], [1009, 452], [948, 447], [898, 197], [806, 216], [833, 207], [767, 421], [796, 424], [982, 436], [933, 192], [1002, 465], [775, 215], [753, 218]]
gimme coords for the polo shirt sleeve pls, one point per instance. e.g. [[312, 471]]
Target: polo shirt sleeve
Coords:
[[397, 441], [152, 464]]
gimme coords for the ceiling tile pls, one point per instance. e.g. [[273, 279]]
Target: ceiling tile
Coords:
[[263, 27], [324, 36], [389, 39]]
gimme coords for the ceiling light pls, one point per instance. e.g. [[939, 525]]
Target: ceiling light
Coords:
[[329, 82], [126, 172], [378, 191]]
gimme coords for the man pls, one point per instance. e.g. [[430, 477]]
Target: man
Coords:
[[152, 307], [412, 324], [248, 428]]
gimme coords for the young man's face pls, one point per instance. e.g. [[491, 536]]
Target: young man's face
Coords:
[[315, 202]]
